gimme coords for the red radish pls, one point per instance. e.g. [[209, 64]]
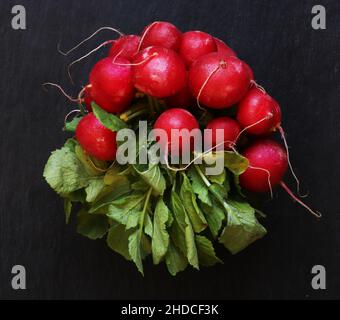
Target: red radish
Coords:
[[259, 113], [269, 156], [182, 99], [112, 84], [87, 97], [218, 81], [161, 33], [176, 118], [195, 44], [231, 130], [250, 71], [159, 72], [268, 163], [95, 139], [222, 47], [125, 47]]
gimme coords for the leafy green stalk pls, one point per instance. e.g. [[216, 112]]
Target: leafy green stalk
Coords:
[[135, 239]]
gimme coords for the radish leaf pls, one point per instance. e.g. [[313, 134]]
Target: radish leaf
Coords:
[[108, 120]]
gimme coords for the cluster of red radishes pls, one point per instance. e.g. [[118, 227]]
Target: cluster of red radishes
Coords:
[[186, 70]]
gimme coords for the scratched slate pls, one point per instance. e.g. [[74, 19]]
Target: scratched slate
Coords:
[[296, 64]]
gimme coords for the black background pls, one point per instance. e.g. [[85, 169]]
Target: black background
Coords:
[[298, 65]]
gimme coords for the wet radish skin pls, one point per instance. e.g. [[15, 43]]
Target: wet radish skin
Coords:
[[162, 74], [195, 44], [266, 154], [95, 139], [182, 99], [112, 84], [257, 105], [222, 47], [125, 47], [231, 130], [226, 86], [176, 118], [87, 98], [163, 34]]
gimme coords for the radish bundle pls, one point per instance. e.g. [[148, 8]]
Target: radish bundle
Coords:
[[190, 90]]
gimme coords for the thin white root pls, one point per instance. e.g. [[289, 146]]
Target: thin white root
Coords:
[[316, 214], [138, 63], [253, 124], [61, 90], [201, 155], [203, 86], [268, 174], [144, 34], [71, 112], [87, 39], [283, 136], [253, 82], [85, 56]]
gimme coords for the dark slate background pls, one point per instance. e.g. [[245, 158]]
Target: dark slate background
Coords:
[[296, 64]]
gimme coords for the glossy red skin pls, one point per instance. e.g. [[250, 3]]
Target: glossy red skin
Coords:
[[162, 34], [112, 84], [225, 87], [160, 76], [176, 118], [87, 98], [182, 99], [231, 131], [265, 154], [255, 106], [250, 71], [95, 139], [125, 47], [222, 47], [195, 44]]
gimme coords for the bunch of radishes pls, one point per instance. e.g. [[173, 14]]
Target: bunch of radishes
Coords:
[[177, 81], [187, 70]]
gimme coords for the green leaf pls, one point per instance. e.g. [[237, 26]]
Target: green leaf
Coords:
[[71, 144], [71, 126], [118, 240], [237, 185], [92, 226], [188, 197], [108, 120], [67, 209], [115, 174], [183, 234], [135, 249], [175, 260], [76, 196], [206, 252], [153, 176], [242, 227], [64, 172], [87, 162], [148, 227], [235, 162], [215, 216], [132, 218], [120, 208], [219, 191], [198, 186], [219, 178], [94, 189], [120, 189], [145, 246], [160, 236], [140, 185]]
